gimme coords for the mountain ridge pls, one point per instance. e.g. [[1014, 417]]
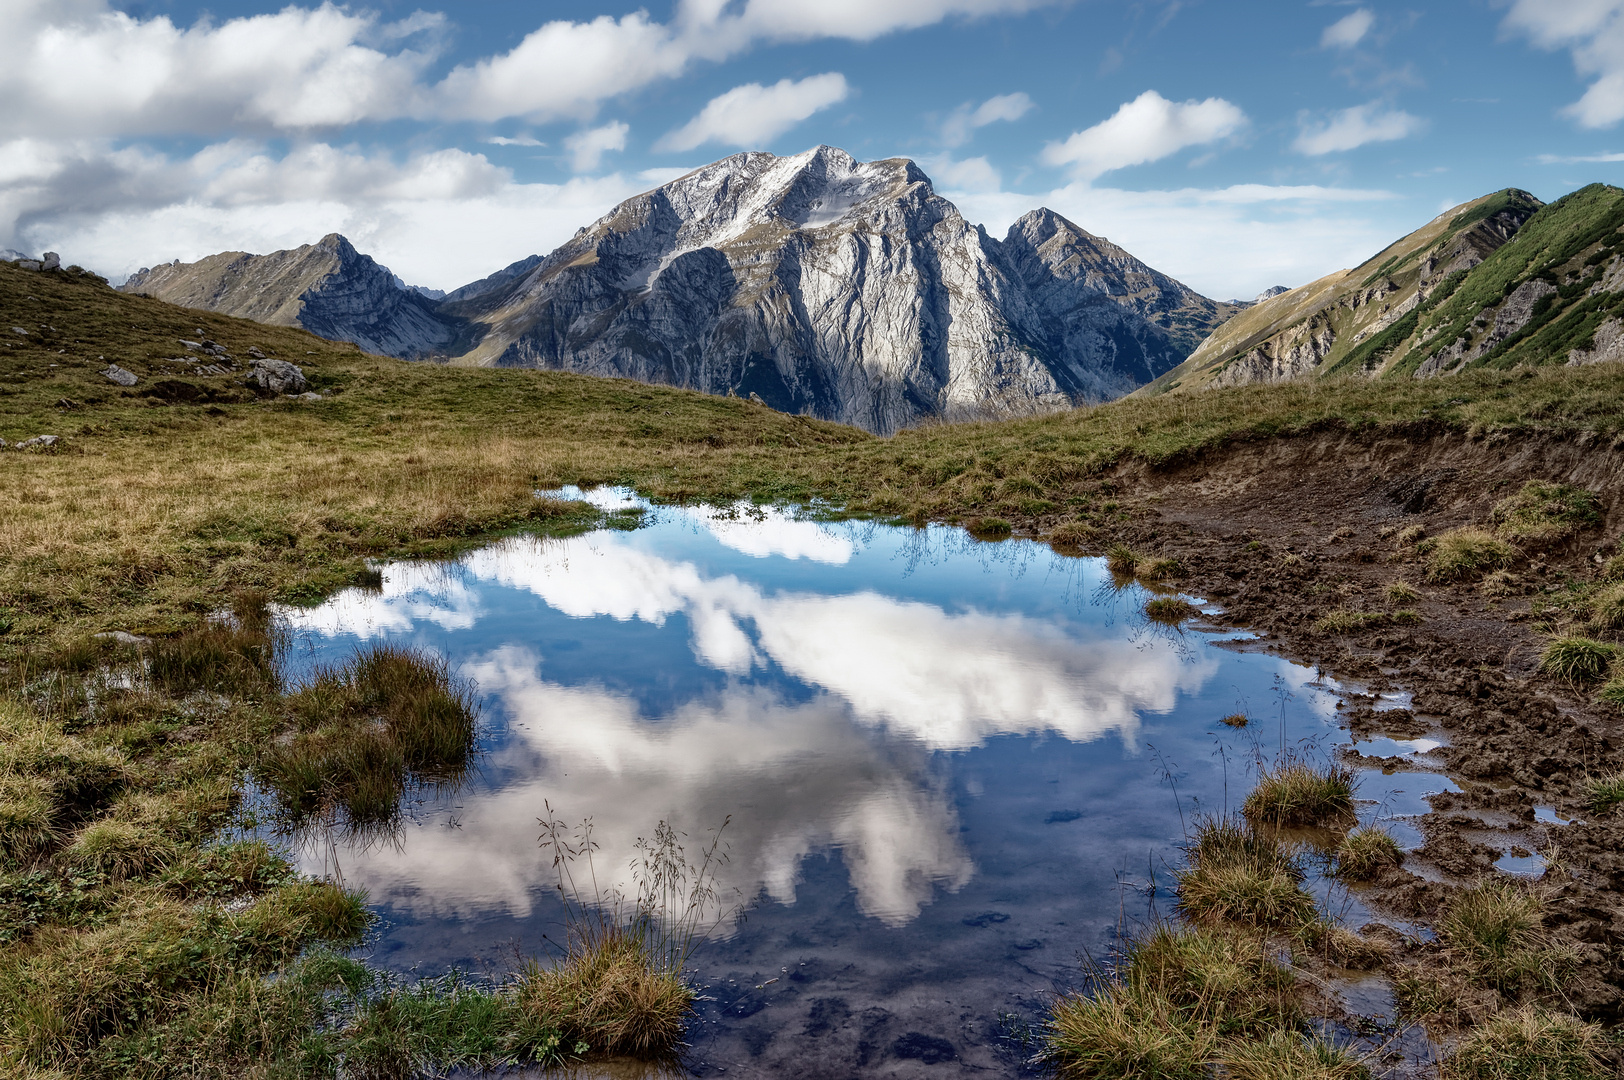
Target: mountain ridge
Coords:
[[822, 285]]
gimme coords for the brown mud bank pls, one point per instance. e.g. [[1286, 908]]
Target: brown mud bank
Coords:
[[1314, 541]]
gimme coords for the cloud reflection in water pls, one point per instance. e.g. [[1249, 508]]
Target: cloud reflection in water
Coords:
[[891, 682]]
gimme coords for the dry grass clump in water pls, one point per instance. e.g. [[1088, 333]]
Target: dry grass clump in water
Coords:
[[366, 728], [1235, 720], [1240, 876], [1464, 554], [610, 994], [1122, 560], [1164, 569], [1366, 852], [1578, 659], [1182, 1000], [1298, 793], [1531, 1044], [1170, 610], [1542, 514]]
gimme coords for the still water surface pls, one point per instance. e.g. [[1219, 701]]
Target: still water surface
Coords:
[[952, 768]]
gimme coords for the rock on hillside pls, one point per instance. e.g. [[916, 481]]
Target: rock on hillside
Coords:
[[843, 289], [1331, 326], [328, 288]]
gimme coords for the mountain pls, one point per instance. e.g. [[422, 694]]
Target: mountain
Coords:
[[846, 290], [1330, 326], [328, 288]]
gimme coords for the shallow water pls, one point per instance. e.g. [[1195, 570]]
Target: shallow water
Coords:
[[952, 770]]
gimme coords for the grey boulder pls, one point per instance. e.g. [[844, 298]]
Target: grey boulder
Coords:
[[38, 442], [122, 376], [277, 377], [51, 261]]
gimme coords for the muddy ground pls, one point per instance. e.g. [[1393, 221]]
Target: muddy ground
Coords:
[[1282, 532]]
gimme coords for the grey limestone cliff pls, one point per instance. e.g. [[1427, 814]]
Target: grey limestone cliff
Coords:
[[846, 290]]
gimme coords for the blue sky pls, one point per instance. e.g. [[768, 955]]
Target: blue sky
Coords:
[[1234, 145]]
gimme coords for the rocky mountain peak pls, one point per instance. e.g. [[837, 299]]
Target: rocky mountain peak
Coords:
[[815, 282]]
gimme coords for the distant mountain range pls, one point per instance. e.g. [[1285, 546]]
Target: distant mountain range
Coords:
[[1500, 281], [846, 290]]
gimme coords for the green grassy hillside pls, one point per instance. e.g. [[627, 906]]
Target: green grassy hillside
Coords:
[[1350, 322]]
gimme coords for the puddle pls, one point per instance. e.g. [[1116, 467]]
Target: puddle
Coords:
[[951, 768], [1549, 815], [1532, 865]]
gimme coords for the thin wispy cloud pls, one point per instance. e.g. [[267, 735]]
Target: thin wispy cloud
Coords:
[[1349, 129]]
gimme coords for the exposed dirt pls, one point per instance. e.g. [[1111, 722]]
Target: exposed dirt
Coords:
[[1284, 531]]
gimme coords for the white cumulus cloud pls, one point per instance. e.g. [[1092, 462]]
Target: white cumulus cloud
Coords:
[[1148, 128], [752, 114], [1593, 31], [1348, 31], [588, 147], [84, 68], [1348, 129], [962, 122], [115, 209]]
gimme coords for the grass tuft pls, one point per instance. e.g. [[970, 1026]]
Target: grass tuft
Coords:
[[1298, 793], [1239, 876], [364, 730], [1464, 554], [1543, 514], [1289, 1055], [611, 995], [1603, 794], [1495, 929], [1180, 998], [1577, 659], [1343, 621], [1366, 852], [1402, 592], [1235, 720], [988, 528], [1170, 610], [1607, 611], [1165, 569], [1530, 1044], [1072, 535], [1122, 560], [119, 849]]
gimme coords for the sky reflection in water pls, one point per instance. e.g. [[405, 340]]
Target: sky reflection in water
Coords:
[[915, 735]]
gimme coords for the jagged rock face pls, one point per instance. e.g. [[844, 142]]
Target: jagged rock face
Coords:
[[1312, 330], [328, 288], [847, 290]]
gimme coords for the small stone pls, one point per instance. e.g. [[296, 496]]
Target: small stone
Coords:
[[38, 441], [277, 377], [19, 330], [191, 344], [255, 352], [51, 261], [119, 375], [309, 395], [124, 638]]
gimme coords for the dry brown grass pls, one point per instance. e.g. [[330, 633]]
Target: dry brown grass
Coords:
[[610, 994]]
